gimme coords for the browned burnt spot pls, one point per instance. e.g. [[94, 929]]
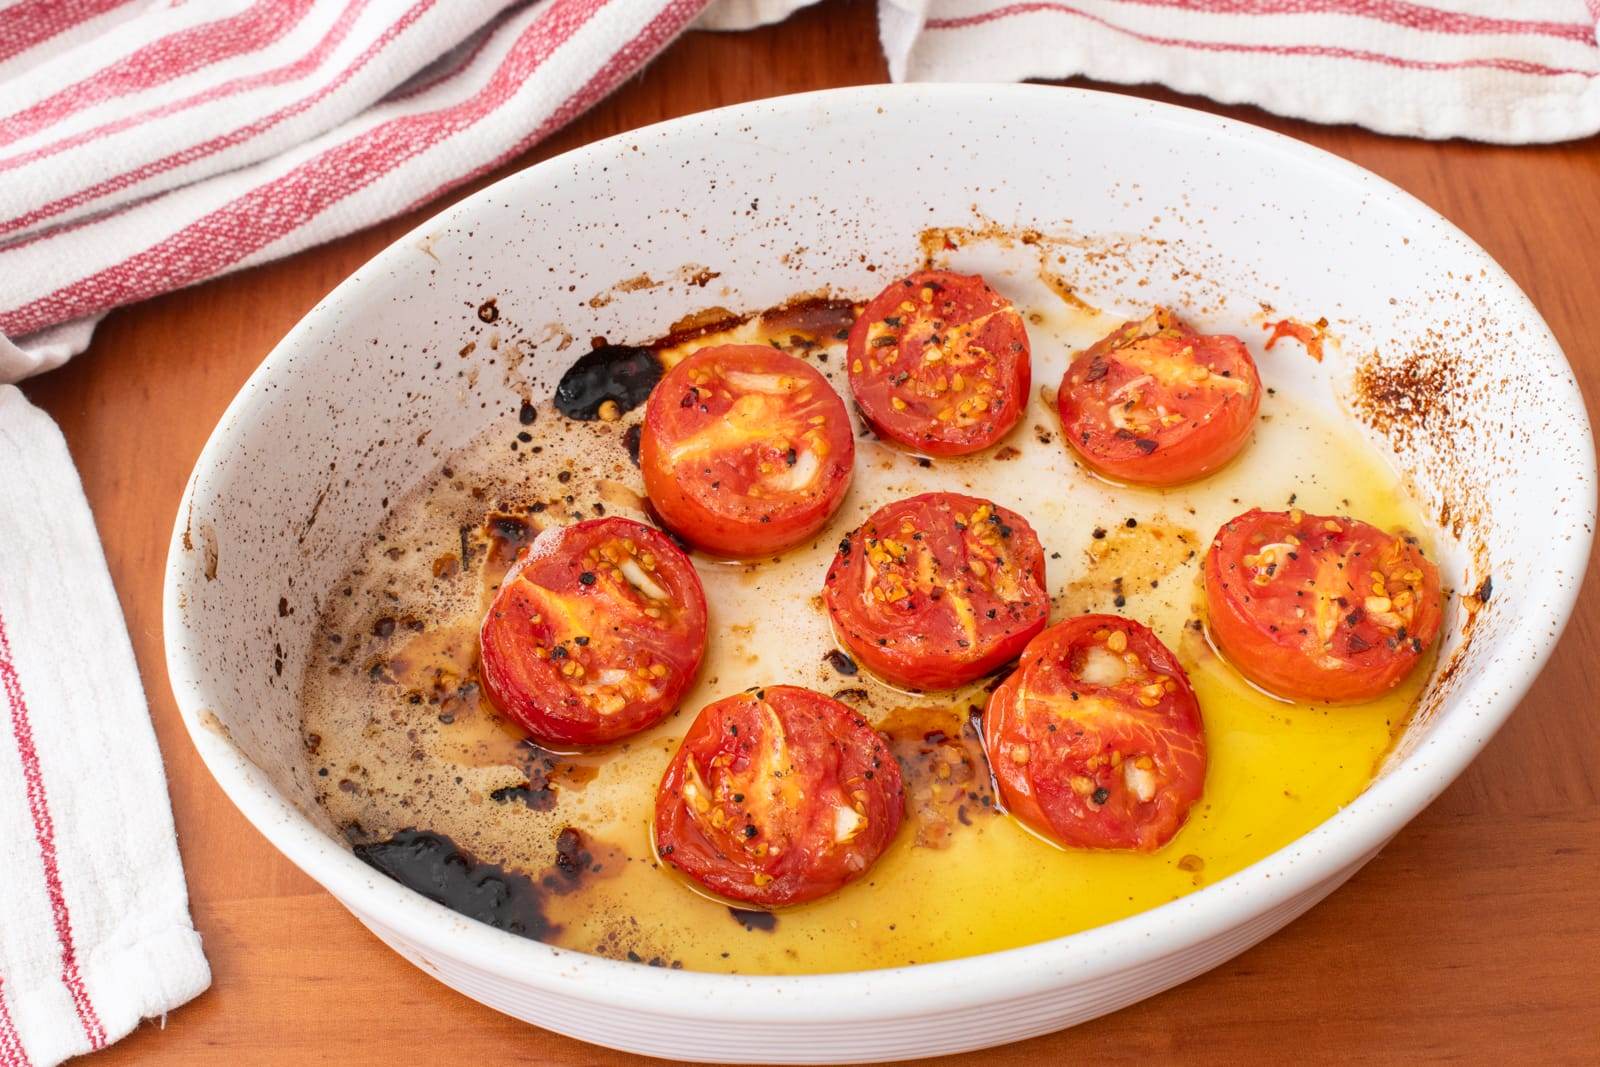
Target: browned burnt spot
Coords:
[[547, 770], [702, 277], [699, 323], [1409, 396], [214, 725], [1422, 402], [1063, 289], [443, 871], [508, 535], [815, 317], [942, 764], [212, 553], [580, 859], [1125, 560], [1007, 452], [1310, 335], [311, 519], [489, 310], [805, 321], [763, 921], [937, 240], [636, 283]]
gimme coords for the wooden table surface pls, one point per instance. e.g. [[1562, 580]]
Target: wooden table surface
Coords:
[[1475, 934]]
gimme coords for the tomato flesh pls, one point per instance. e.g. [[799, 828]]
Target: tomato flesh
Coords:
[[1155, 403], [745, 450], [1318, 607], [595, 634], [939, 363], [778, 796], [1096, 739], [934, 591]]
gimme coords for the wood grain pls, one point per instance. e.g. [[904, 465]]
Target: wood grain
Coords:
[[1472, 936]]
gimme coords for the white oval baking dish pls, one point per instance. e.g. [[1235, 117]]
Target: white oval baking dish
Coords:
[[1444, 364]]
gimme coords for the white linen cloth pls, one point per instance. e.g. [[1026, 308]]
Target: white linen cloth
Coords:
[[147, 145], [94, 916]]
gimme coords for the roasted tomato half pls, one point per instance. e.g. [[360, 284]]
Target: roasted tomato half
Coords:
[[936, 590], [1318, 607], [745, 450], [1155, 403], [1096, 739], [778, 796], [939, 363], [595, 634]]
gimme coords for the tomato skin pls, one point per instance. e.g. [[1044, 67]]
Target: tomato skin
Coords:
[[769, 840], [990, 353], [1093, 760], [1340, 652], [537, 672], [916, 640], [761, 439], [1213, 410]]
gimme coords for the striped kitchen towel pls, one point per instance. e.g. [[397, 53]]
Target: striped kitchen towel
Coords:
[[1491, 70], [146, 145], [94, 916]]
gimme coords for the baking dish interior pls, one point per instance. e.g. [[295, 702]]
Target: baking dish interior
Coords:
[[1440, 361]]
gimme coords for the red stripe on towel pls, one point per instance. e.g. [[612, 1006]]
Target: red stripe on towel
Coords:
[[161, 61], [302, 65], [1516, 66], [214, 243], [45, 834], [33, 22]]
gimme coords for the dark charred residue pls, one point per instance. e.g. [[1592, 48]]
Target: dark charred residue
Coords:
[[840, 662], [507, 535], [488, 311], [537, 796], [1485, 589], [850, 696], [622, 374], [764, 921], [630, 440], [572, 860], [435, 866], [527, 413]]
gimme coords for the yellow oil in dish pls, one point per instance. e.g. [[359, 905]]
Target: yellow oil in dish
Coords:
[[400, 740]]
